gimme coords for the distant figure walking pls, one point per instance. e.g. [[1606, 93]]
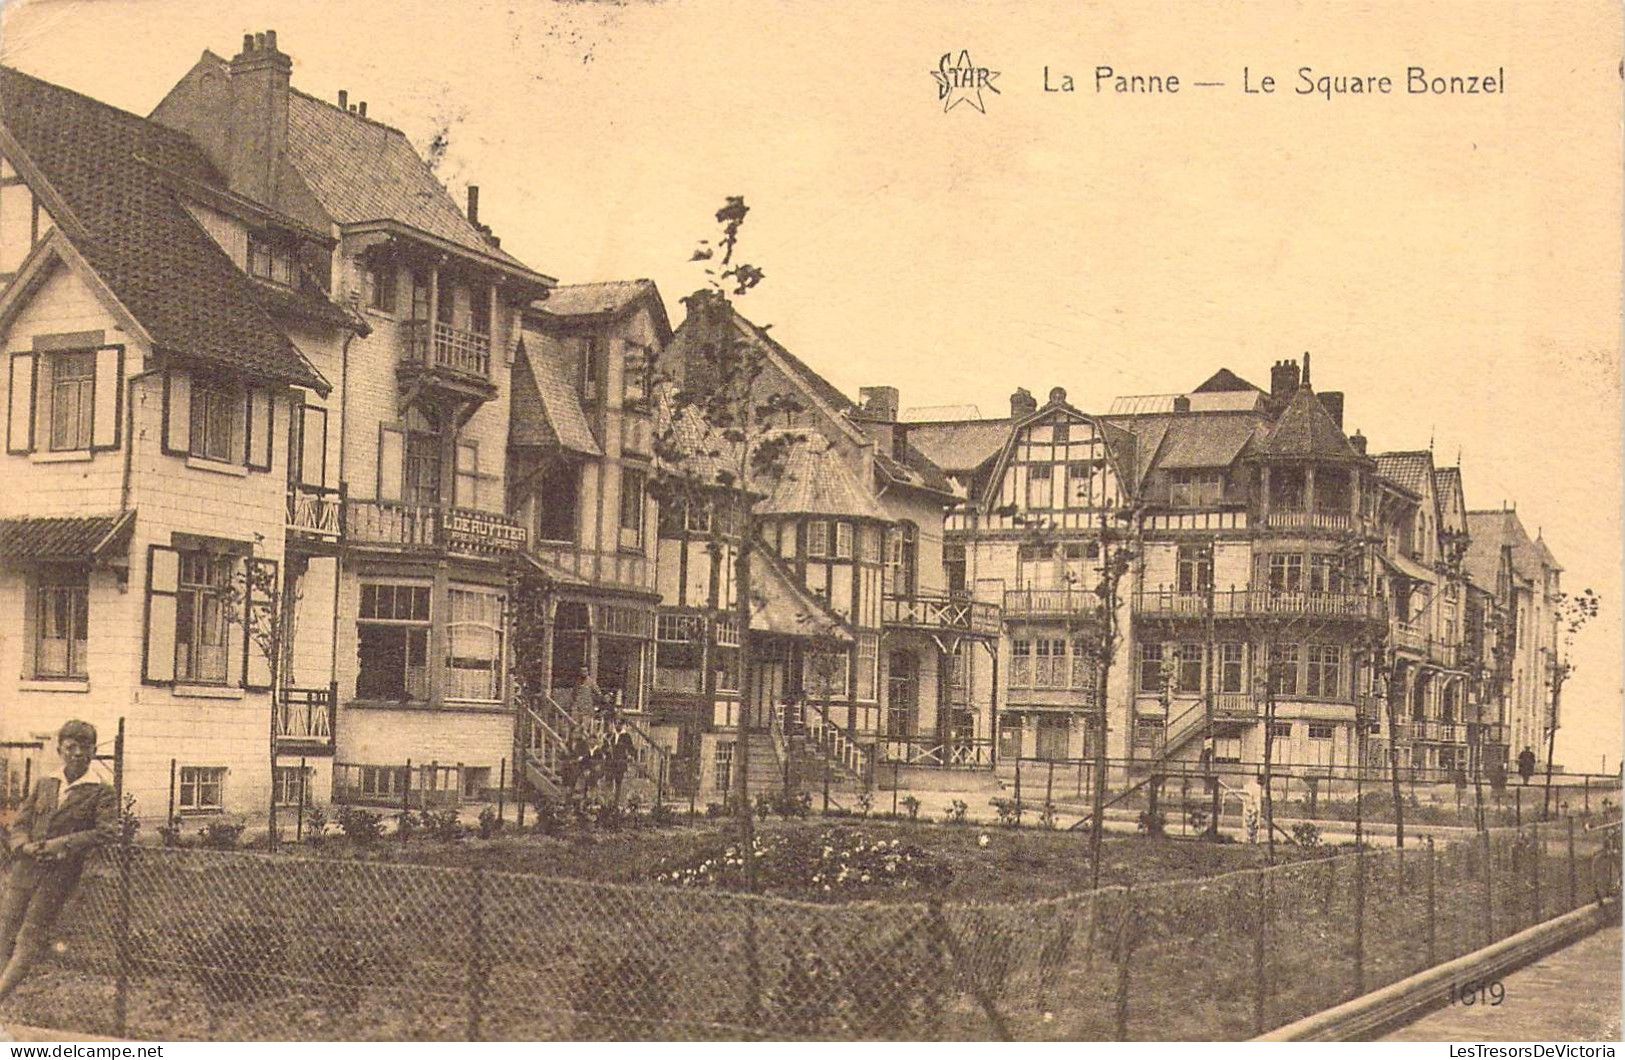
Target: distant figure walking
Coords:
[[621, 750], [1526, 764], [65, 817]]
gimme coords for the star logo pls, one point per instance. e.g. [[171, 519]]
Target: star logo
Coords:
[[963, 82]]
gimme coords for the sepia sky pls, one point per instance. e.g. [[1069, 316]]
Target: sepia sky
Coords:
[[1452, 262]]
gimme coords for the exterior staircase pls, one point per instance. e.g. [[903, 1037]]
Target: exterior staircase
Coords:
[[546, 732]]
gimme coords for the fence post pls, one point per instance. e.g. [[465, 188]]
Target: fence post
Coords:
[[1537, 854], [304, 801], [406, 799], [1359, 921], [502, 789], [1125, 961], [1018, 789], [1517, 803], [1588, 794], [1433, 924], [169, 822], [894, 790], [1574, 892], [121, 995], [1260, 974], [1489, 889], [476, 955], [1049, 788]]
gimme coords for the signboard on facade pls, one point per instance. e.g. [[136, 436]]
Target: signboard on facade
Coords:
[[483, 532]]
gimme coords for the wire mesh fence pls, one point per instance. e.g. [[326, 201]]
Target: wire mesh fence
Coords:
[[175, 944]]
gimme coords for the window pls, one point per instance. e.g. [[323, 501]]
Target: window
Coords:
[[1320, 732], [73, 383], [1189, 677], [476, 781], [817, 540], [1049, 663], [589, 368], [393, 630], [636, 364], [200, 617], [474, 657], [631, 509], [1323, 676], [1196, 489], [902, 553], [1021, 663], [843, 540], [1281, 730], [902, 694], [1284, 669], [383, 782], [697, 517], [677, 653], [288, 785], [1150, 667], [420, 295], [953, 558], [216, 409], [725, 667], [868, 667], [1195, 568], [869, 543], [1325, 574], [1286, 573], [479, 310], [724, 767], [824, 674], [556, 502], [1230, 667], [1083, 670], [1038, 485], [422, 465], [379, 282], [61, 618], [270, 260], [202, 788]]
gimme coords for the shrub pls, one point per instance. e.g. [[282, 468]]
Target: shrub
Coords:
[[170, 833], [606, 816], [490, 824], [788, 806], [551, 817], [714, 810], [866, 803], [1153, 824], [662, 815], [1197, 820], [956, 813], [443, 825], [833, 864], [406, 824], [315, 823], [129, 822], [912, 805], [222, 835], [1008, 811], [1046, 817], [361, 827], [1306, 834], [764, 805]]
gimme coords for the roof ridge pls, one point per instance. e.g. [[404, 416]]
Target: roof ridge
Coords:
[[349, 113]]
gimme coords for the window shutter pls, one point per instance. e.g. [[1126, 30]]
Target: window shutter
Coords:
[[313, 447], [391, 461], [261, 410], [109, 404], [468, 475], [42, 401], [259, 608], [20, 423], [163, 583], [177, 413]]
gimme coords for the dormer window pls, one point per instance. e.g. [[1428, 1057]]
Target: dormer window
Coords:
[[270, 260]]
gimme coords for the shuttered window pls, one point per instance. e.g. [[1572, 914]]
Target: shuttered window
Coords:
[[65, 401]]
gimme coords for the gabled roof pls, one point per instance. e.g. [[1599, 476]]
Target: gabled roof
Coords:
[[1446, 480], [104, 167], [1305, 430], [959, 447], [362, 170], [1225, 380], [585, 300], [783, 606], [1204, 441], [544, 408], [1121, 446], [816, 481], [1491, 532], [1413, 469], [906, 466]]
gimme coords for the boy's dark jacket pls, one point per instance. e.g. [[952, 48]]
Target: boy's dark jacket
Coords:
[[70, 823]]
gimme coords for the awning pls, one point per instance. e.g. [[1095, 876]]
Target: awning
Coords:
[[783, 607], [555, 573], [38, 539], [1408, 567]]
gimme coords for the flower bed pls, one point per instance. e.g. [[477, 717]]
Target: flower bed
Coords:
[[838, 864]]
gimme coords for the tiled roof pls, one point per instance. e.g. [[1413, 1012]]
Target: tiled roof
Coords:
[[594, 299], [159, 263], [706, 455], [362, 170], [816, 481], [959, 447], [1306, 430], [781, 605], [906, 466], [1204, 441], [1488, 533], [63, 538], [544, 409], [1446, 480], [1412, 470]]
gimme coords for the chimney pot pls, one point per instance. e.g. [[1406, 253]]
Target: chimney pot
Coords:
[[1332, 402], [248, 42], [363, 109], [270, 40], [1057, 395], [344, 99], [259, 42], [1357, 440], [880, 403], [1022, 403], [1182, 403], [474, 204], [1283, 380]]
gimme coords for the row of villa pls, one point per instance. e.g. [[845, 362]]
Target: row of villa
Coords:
[[288, 432]]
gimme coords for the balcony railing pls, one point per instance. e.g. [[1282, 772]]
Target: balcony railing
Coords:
[[1406, 635], [1234, 706], [1431, 730], [1340, 521], [959, 613], [305, 715], [623, 570], [315, 511], [1050, 602], [433, 345], [1229, 603], [430, 528]]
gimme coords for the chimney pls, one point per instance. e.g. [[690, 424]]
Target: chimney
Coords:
[[1305, 381], [474, 205], [1182, 404], [1057, 395], [1022, 403], [258, 126], [1357, 440], [1332, 401], [1283, 381], [344, 99], [361, 108], [879, 403]]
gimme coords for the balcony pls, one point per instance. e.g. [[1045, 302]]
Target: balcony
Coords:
[[1234, 706], [304, 720], [959, 614], [1336, 522], [451, 358], [1242, 603], [431, 529], [628, 570], [315, 513], [1050, 603], [1409, 637], [1431, 730]]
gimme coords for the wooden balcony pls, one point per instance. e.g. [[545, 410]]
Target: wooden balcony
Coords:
[[1408, 637], [315, 513], [430, 529], [626, 570], [452, 360], [305, 720], [1245, 603], [958, 614], [1333, 522], [1050, 603]]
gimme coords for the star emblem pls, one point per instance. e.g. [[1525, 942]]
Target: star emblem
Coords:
[[963, 82]]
